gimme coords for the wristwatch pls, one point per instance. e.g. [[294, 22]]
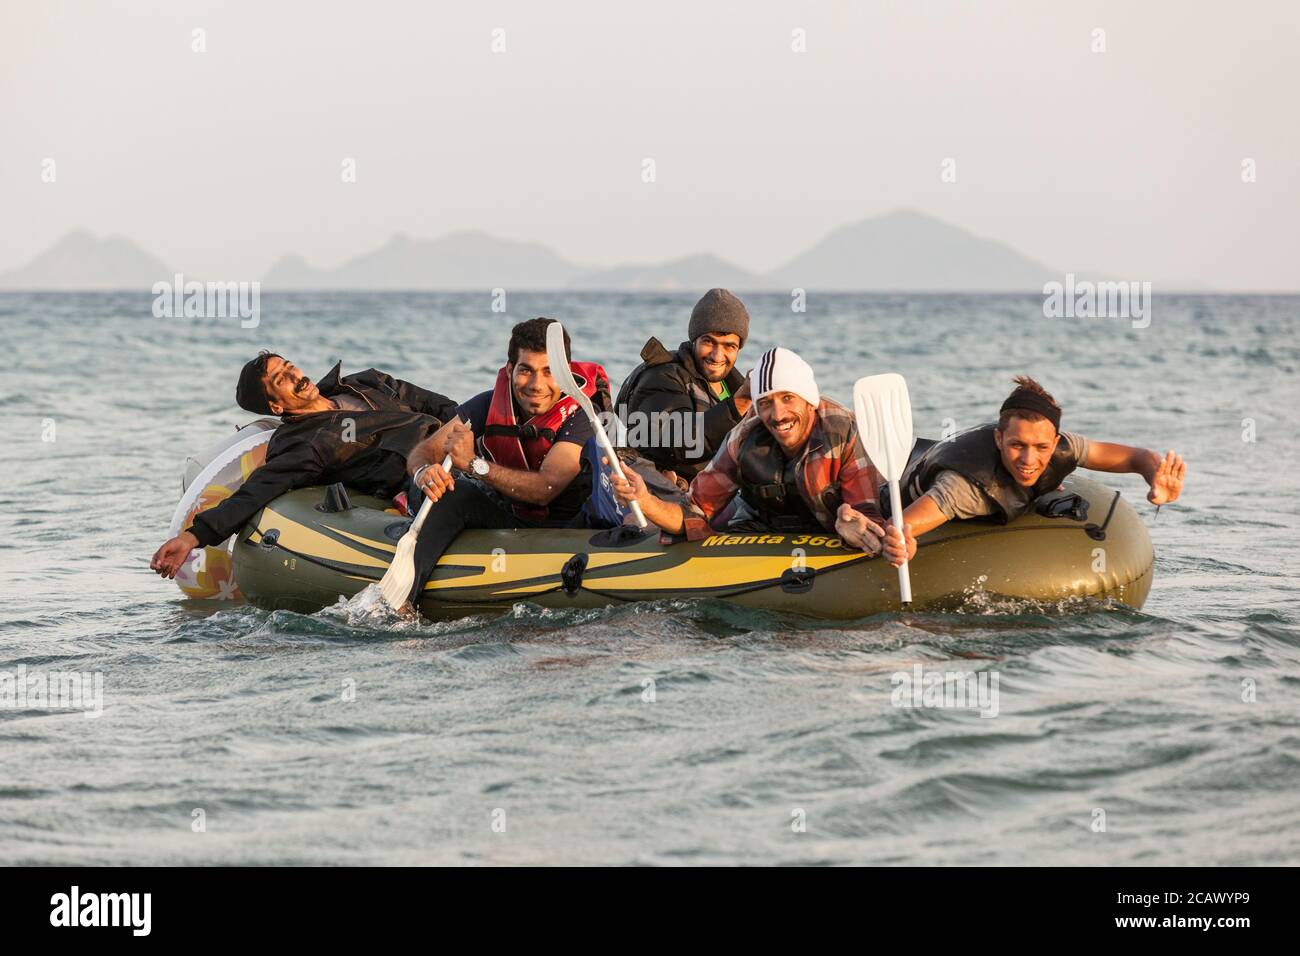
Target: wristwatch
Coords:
[[479, 466]]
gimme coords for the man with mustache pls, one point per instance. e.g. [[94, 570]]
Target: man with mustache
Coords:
[[356, 429], [522, 443], [793, 463], [698, 382], [998, 470]]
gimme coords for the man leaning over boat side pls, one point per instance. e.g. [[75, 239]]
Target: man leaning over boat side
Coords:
[[357, 429], [997, 470], [793, 463]]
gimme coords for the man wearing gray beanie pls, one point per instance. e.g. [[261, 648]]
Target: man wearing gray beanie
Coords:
[[678, 406]]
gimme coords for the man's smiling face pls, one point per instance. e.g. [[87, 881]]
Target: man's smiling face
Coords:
[[287, 388], [534, 387], [1026, 447], [716, 355], [788, 417]]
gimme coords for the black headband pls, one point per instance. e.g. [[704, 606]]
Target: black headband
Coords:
[[1024, 400]]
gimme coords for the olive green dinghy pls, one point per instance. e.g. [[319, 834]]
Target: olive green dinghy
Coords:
[[312, 546]]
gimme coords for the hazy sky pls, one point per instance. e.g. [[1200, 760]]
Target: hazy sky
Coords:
[[1127, 161]]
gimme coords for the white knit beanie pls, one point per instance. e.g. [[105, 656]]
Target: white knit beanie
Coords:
[[780, 370]]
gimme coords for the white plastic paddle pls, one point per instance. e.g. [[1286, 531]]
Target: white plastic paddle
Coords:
[[563, 375], [884, 413], [395, 585]]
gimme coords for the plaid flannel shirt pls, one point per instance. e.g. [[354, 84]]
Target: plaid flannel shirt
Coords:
[[826, 462]]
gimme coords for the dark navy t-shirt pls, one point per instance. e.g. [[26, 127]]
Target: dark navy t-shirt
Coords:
[[576, 429]]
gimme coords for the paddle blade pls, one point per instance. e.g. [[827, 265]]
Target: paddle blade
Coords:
[[395, 586], [558, 359], [884, 415]]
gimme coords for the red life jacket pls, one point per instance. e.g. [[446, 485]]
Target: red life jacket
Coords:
[[524, 445]]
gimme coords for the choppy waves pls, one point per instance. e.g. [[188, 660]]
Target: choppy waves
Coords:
[[676, 732]]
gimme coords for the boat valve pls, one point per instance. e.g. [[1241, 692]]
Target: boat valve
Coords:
[[336, 500], [571, 573]]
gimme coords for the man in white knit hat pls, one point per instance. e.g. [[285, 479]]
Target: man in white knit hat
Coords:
[[794, 461]]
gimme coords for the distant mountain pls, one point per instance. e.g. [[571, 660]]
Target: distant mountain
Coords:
[[910, 251], [462, 260], [899, 251], [903, 250], [690, 273], [81, 261]]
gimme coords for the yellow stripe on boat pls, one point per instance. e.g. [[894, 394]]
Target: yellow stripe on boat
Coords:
[[698, 573], [307, 541], [521, 567], [530, 589], [368, 542]]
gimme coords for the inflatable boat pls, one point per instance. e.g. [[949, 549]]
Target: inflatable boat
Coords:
[[313, 546]]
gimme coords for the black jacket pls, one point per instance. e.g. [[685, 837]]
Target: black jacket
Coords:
[[311, 449], [672, 382]]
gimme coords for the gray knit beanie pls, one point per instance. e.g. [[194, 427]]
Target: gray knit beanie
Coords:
[[720, 312]]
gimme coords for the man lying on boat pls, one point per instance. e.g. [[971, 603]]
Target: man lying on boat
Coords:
[[793, 463], [694, 393], [998, 470], [522, 440], [357, 429]]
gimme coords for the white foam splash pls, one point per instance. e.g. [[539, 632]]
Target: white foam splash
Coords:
[[976, 600], [367, 608]]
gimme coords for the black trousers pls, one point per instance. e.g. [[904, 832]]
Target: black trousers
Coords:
[[467, 505]]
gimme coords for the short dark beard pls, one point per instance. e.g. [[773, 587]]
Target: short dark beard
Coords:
[[699, 367]]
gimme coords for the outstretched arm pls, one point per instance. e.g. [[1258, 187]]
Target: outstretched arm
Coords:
[[920, 516], [1163, 475], [292, 468], [631, 487]]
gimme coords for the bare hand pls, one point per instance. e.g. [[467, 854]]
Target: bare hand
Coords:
[[899, 547], [629, 488], [1167, 482], [459, 443], [435, 482], [168, 559], [742, 397], [858, 531]]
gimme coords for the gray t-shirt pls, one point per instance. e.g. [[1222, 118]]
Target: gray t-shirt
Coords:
[[958, 497]]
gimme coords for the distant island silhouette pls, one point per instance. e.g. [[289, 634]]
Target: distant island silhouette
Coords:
[[900, 251]]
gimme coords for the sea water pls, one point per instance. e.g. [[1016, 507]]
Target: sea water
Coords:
[[673, 732]]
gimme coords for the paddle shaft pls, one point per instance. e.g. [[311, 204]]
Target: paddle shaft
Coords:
[[558, 356], [896, 511], [603, 439], [395, 585]]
